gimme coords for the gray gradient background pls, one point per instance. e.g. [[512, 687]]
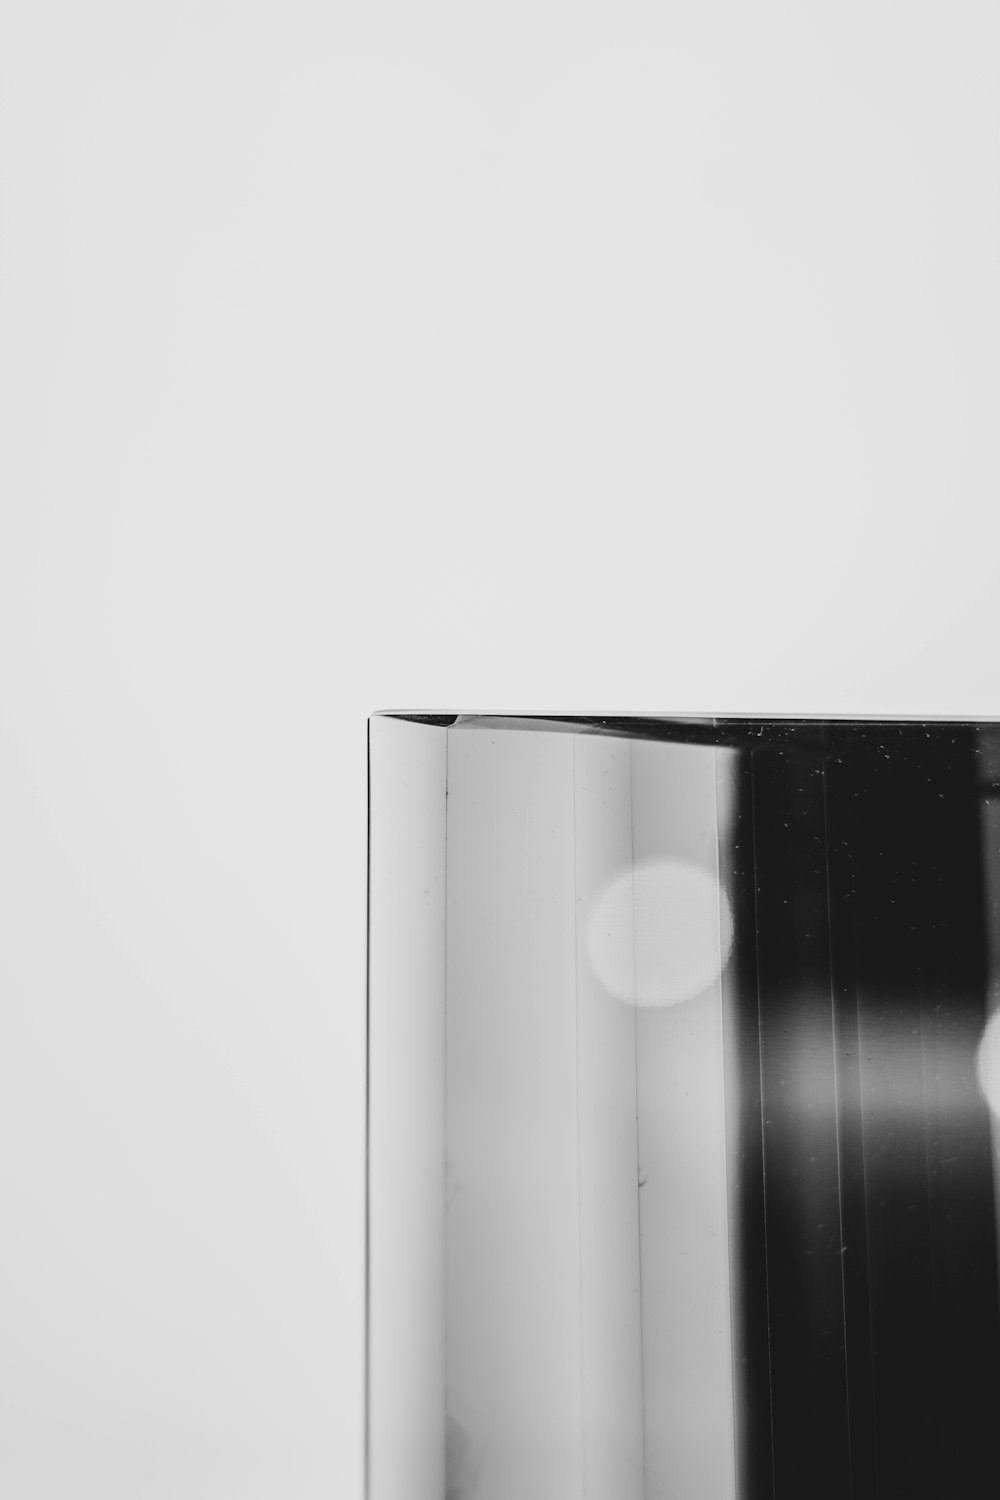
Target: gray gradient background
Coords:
[[613, 356]]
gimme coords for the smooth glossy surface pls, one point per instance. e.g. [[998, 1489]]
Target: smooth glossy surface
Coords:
[[682, 1162]]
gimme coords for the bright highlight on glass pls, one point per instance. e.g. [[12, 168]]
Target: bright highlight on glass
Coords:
[[988, 1064], [660, 934]]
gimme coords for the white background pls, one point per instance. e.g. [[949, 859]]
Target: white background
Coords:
[[358, 355]]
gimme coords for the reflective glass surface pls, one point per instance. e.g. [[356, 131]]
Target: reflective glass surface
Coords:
[[683, 1085]]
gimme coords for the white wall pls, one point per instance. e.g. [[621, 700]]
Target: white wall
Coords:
[[365, 355]]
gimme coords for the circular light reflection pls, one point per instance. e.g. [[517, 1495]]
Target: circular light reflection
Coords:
[[661, 933], [988, 1063]]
